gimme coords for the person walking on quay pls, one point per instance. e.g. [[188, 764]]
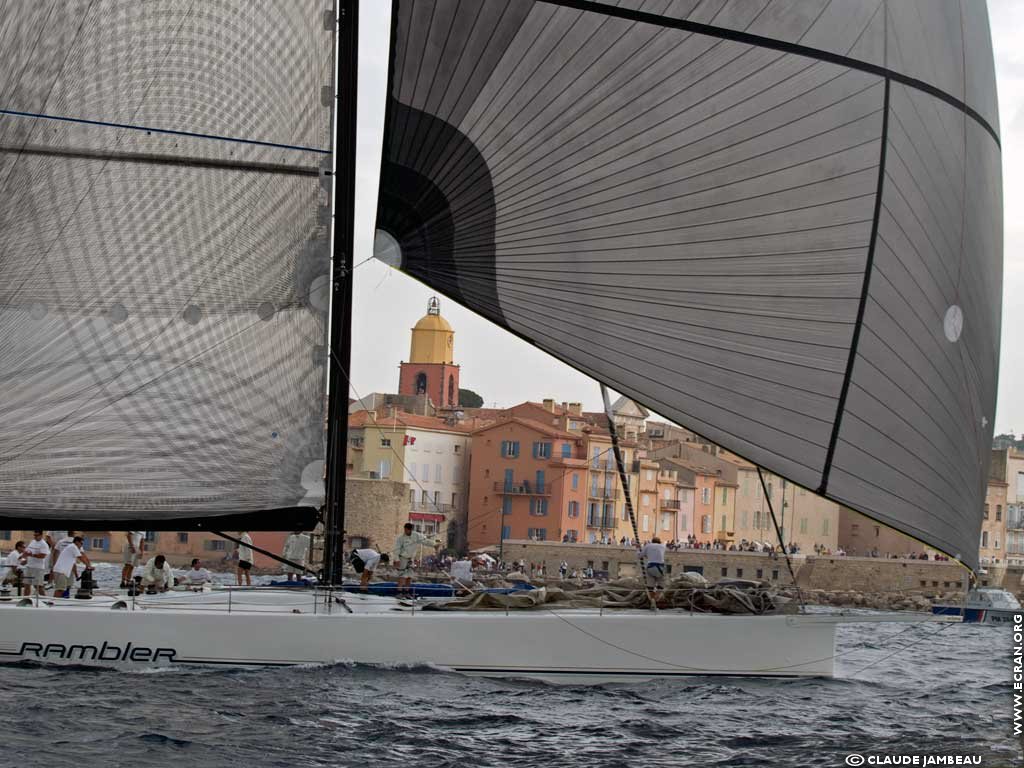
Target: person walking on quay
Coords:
[[36, 554], [131, 555], [63, 570], [406, 546], [245, 559]]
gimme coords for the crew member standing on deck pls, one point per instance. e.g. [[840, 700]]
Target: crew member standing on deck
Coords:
[[34, 574], [406, 546], [131, 555], [245, 559], [654, 554], [63, 569], [296, 549]]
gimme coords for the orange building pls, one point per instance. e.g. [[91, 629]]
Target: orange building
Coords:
[[527, 480]]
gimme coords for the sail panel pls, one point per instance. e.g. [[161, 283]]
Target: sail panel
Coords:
[[751, 218], [163, 258]]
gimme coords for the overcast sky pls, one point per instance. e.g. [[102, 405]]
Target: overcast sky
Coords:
[[505, 370]]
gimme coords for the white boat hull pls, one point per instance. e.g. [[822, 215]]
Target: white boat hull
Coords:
[[576, 646]]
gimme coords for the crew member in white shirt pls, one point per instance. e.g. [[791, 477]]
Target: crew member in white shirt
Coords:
[[157, 575], [406, 546], [369, 559], [296, 549], [37, 551], [196, 576], [245, 559], [63, 569], [14, 565], [654, 555], [131, 555]]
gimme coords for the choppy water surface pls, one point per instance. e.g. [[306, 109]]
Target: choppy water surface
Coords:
[[947, 693]]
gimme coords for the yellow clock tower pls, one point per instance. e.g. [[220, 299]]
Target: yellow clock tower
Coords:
[[430, 369]]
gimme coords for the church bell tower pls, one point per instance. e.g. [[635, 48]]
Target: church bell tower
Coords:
[[430, 369]]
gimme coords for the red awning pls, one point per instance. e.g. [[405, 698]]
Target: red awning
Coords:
[[431, 516]]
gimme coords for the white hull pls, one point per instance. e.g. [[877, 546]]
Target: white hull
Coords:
[[578, 646]]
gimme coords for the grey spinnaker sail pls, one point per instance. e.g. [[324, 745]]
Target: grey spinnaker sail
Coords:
[[164, 258], [777, 223]]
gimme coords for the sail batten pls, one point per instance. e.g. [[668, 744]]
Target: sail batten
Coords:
[[776, 224]]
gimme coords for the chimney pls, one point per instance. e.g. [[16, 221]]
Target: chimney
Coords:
[[549, 404], [576, 409]]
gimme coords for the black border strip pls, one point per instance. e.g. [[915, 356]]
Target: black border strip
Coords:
[[868, 268], [777, 45]]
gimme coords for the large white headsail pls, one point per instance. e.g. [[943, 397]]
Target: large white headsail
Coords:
[[163, 257], [777, 223]]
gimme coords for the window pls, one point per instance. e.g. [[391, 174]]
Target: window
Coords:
[[825, 527], [744, 519], [574, 425], [509, 481], [538, 507], [592, 518], [854, 528], [412, 495], [455, 501], [572, 535], [542, 450], [182, 538], [412, 470], [421, 383], [575, 481], [5, 535], [574, 509], [725, 572], [98, 543], [451, 390], [647, 523], [506, 505], [566, 451], [506, 531], [666, 522], [437, 498], [995, 544], [540, 534], [775, 575], [705, 524], [510, 449], [456, 475], [739, 573], [999, 512], [705, 495], [646, 500], [214, 545], [596, 462], [150, 537], [607, 515], [984, 514], [723, 523], [424, 497], [725, 495], [458, 449], [437, 473], [650, 475], [425, 473], [757, 519], [984, 538], [385, 469], [760, 573], [540, 481], [803, 525], [385, 442], [682, 522], [878, 531]]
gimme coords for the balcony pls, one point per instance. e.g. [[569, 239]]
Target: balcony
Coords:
[[597, 521], [429, 506], [603, 465], [670, 504], [604, 493], [1015, 522], [356, 442], [522, 488]]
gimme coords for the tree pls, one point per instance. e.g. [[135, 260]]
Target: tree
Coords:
[[469, 399]]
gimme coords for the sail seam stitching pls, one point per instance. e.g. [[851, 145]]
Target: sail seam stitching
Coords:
[[779, 45], [868, 268]]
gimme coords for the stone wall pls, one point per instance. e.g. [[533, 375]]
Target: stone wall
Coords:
[[375, 510], [862, 574]]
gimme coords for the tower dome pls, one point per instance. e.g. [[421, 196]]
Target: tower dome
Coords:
[[433, 340]]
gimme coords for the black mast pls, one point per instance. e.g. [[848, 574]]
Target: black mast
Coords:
[[341, 287]]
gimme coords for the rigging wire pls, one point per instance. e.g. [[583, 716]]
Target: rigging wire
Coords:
[[782, 543]]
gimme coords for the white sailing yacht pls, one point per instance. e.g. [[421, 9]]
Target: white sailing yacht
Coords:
[[776, 223]]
